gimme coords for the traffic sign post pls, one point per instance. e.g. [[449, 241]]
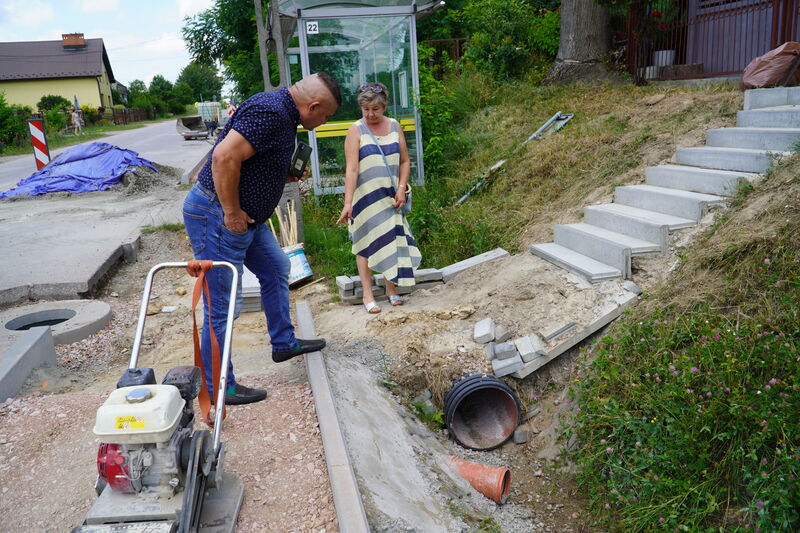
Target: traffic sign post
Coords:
[[41, 152]]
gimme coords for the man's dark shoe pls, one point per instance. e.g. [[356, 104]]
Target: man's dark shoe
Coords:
[[302, 346], [240, 395]]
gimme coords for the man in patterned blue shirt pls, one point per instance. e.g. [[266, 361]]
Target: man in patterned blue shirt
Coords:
[[236, 192]]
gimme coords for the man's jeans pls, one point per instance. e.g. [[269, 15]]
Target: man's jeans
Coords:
[[258, 250]]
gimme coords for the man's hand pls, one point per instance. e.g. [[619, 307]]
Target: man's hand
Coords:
[[237, 222], [292, 178]]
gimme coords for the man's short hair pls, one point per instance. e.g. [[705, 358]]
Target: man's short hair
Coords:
[[332, 86]]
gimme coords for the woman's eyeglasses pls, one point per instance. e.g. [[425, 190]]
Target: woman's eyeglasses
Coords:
[[371, 87]]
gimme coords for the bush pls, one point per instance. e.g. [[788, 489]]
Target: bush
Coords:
[[90, 115], [52, 101], [13, 123], [55, 120], [507, 37]]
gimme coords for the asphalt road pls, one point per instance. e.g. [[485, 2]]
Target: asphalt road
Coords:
[[159, 143], [59, 246]]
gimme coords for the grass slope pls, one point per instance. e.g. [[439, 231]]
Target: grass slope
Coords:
[[688, 415], [614, 134]]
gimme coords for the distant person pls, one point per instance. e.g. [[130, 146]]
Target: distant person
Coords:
[[210, 116], [236, 192], [376, 184], [75, 116]]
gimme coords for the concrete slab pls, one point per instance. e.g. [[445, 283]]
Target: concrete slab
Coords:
[[697, 179], [770, 117], [577, 337], [33, 350], [674, 202], [636, 245], [449, 272], [772, 97], [600, 249], [613, 220], [745, 160], [593, 270], [775, 139], [553, 332]]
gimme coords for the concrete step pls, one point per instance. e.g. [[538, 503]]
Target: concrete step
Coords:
[[775, 96], [787, 116], [726, 158], [587, 267], [672, 222], [606, 216], [775, 139], [637, 246], [696, 179], [607, 251], [684, 204]]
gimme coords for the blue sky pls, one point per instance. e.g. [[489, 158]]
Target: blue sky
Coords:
[[142, 37]]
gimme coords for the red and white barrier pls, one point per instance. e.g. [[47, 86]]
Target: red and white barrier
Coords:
[[40, 150]]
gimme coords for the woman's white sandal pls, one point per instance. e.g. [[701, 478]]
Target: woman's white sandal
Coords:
[[396, 299], [372, 308]]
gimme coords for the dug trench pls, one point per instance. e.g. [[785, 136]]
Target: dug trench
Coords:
[[47, 449]]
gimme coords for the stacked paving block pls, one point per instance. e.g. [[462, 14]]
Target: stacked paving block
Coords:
[[351, 291], [251, 292], [502, 353]]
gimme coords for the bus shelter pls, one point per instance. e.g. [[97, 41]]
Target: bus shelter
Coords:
[[356, 43]]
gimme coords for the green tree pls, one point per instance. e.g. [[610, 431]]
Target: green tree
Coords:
[[13, 126], [53, 101], [160, 88], [509, 36], [139, 97], [202, 80], [227, 33]]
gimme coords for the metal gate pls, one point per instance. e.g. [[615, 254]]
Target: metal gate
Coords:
[[681, 39]]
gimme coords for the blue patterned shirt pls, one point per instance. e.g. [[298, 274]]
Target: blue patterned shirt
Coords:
[[269, 122]]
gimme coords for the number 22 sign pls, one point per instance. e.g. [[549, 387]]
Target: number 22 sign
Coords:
[[312, 27]]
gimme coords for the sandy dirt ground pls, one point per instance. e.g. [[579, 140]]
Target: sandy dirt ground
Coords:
[[48, 451]]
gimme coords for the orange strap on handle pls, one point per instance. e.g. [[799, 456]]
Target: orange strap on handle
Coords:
[[197, 269]]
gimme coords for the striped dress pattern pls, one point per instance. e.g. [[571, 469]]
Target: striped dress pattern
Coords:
[[379, 232]]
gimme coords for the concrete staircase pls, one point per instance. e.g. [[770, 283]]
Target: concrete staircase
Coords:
[[676, 196]]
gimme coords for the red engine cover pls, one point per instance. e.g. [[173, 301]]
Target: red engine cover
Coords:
[[112, 468]]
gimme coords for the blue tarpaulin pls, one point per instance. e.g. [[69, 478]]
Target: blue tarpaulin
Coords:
[[83, 168]]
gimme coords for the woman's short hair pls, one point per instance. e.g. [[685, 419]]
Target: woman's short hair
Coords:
[[373, 93]]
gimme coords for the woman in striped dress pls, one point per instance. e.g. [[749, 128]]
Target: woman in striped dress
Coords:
[[376, 184]]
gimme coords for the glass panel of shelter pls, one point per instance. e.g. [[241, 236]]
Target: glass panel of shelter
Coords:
[[355, 51]]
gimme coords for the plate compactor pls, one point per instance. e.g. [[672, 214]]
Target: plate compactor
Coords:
[[156, 474]]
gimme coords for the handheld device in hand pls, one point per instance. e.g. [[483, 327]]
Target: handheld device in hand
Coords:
[[300, 159]]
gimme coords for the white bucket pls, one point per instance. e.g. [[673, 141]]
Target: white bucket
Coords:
[[297, 257]]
